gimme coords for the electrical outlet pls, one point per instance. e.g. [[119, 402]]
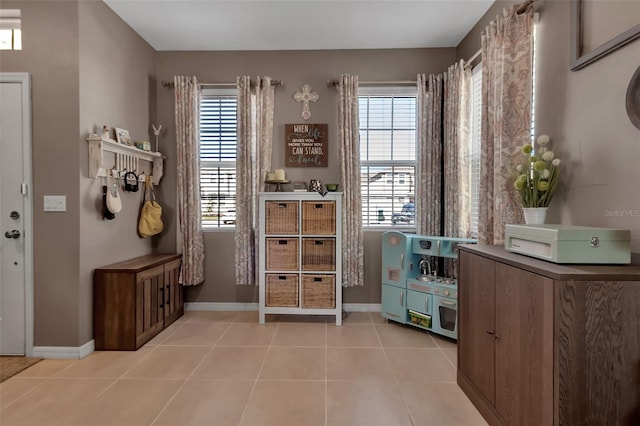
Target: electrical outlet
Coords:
[[55, 203]]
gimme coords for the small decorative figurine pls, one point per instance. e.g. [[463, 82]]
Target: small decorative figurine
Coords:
[[106, 133], [156, 131]]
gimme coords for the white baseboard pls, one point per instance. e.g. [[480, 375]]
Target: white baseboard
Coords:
[[217, 306], [64, 352], [362, 307]]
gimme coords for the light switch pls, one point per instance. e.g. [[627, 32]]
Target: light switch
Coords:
[[55, 203]]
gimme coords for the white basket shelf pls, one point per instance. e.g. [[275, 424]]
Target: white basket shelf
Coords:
[[126, 157]]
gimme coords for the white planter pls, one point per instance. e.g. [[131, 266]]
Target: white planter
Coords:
[[534, 215]]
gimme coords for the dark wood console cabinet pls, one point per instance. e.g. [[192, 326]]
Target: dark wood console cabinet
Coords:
[[135, 299], [547, 344]]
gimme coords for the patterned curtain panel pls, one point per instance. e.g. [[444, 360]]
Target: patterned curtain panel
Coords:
[[245, 237], [507, 57], [349, 142], [429, 180], [456, 152], [187, 100], [255, 141]]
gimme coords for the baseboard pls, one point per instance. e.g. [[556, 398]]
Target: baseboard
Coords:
[[361, 307], [217, 306], [64, 352]]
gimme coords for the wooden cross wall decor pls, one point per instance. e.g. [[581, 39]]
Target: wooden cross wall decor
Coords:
[[305, 96]]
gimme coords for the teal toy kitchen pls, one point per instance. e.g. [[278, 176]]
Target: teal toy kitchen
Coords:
[[414, 292]]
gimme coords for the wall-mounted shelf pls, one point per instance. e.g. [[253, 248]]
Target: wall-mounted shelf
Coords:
[[126, 158]]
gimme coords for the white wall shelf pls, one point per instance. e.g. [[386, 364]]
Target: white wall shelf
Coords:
[[126, 158]]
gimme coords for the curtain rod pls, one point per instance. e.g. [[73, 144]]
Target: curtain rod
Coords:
[[335, 82], [169, 84], [524, 6], [472, 58]]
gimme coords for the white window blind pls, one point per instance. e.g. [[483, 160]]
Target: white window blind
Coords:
[[476, 120], [388, 156], [218, 141]]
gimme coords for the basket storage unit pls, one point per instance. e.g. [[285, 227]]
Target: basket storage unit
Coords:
[[318, 254], [300, 254], [318, 291], [282, 254], [282, 290], [318, 218], [281, 217]]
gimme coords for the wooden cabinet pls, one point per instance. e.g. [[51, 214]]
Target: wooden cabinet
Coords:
[[135, 299], [300, 254], [547, 344]]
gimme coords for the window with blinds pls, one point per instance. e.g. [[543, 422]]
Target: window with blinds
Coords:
[[10, 29], [218, 140], [388, 156], [476, 117]]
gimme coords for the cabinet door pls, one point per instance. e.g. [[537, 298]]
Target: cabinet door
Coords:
[[524, 346], [149, 304], [394, 303], [173, 302], [476, 300]]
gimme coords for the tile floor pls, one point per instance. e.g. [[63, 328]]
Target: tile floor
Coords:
[[223, 368]]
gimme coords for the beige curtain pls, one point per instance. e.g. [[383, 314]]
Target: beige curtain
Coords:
[[255, 140], [507, 49], [429, 168], [456, 152], [349, 151], [187, 112]]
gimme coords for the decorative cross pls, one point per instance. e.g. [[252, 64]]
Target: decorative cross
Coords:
[[305, 96]]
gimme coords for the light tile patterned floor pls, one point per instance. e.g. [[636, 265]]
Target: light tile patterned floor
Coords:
[[223, 368]]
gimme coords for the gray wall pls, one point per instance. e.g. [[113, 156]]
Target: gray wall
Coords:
[[50, 54], [117, 88], [88, 67], [295, 68], [584, 113]]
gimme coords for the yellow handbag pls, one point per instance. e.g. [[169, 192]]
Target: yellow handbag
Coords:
[[150, 222]]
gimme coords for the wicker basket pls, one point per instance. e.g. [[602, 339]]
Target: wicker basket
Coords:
[[282, 254], [281, 217], [318, 291], [318, 254], [319, 217], [281, 290]]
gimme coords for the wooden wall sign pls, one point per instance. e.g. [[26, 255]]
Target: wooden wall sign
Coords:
[[306, 145]]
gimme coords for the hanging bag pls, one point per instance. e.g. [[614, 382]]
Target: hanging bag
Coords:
[[150, 222], [114, 203]]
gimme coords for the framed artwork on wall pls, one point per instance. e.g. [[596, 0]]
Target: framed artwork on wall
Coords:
[[595, 29], [122, 136]]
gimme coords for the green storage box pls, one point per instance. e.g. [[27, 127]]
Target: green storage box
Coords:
[[570, 243]]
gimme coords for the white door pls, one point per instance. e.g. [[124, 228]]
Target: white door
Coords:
[[16, 278]]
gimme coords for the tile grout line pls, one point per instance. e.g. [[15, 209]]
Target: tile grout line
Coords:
[[46, 379], [395, 378], [326, 373], [255, 382], [192, 373]]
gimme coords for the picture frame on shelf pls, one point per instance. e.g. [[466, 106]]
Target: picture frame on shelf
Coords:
[[122, 136]]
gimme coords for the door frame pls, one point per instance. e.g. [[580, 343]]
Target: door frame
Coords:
[[24, 79]]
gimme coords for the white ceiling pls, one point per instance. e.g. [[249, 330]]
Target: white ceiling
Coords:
[[300, 24]]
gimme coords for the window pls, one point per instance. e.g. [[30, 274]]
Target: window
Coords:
[[10, 32], [476, 117], [388, 156], [218, 140]]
